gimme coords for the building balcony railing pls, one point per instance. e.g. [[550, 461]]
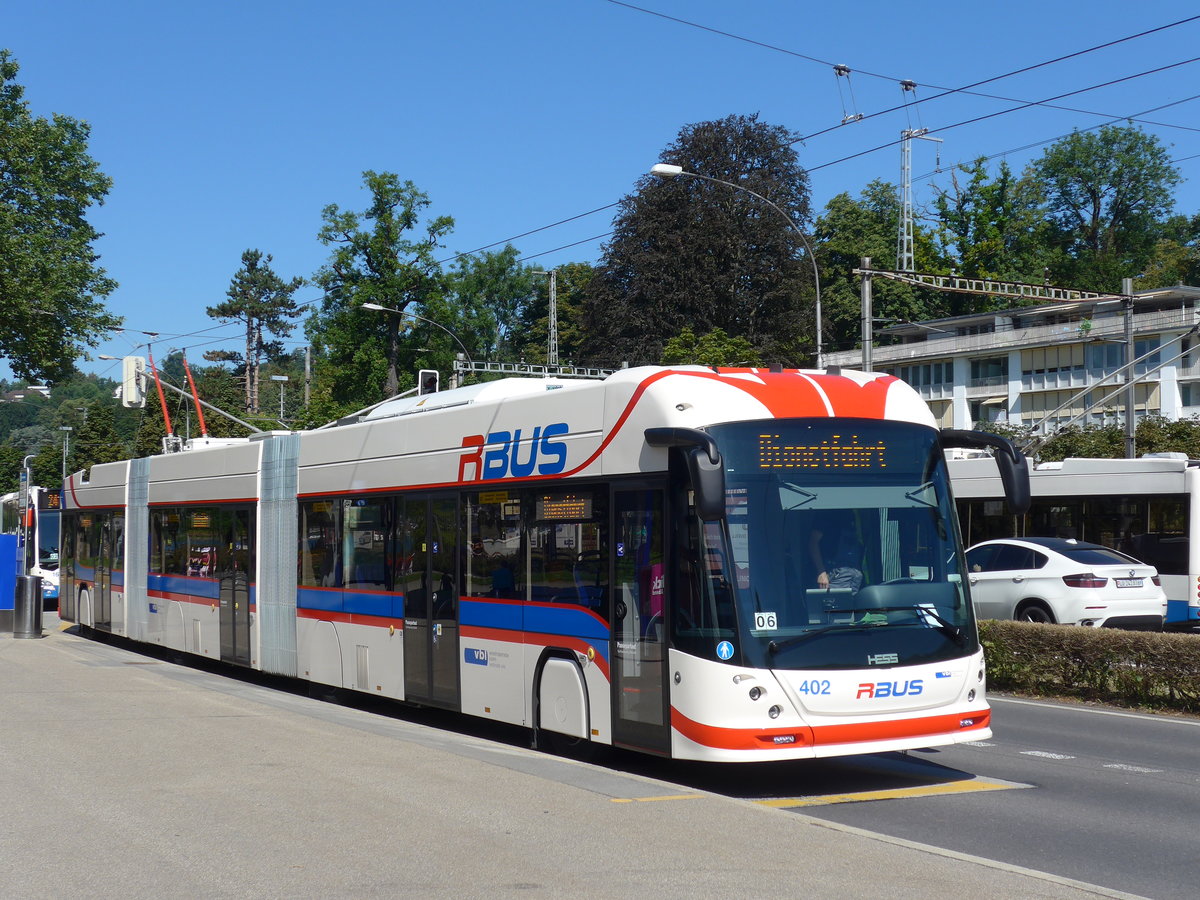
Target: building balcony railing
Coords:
[[1002, 341]]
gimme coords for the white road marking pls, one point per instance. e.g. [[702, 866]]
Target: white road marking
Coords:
[[1128, 768], [1045, 754], [1169, 720]]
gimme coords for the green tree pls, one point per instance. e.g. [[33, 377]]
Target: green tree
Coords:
[[11, 458], [1176, 257], [264, 304], [993, 227], [374, 260], [1108, 196], [688, 251], [715, 348], [851, 229], [486, 295], [50, 285], [95, 439], [46, 466]]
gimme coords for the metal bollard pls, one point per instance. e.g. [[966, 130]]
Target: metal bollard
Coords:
[[27, 615]]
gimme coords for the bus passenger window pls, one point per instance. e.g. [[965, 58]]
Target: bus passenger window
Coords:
[[494, 562], [569, 549], [367, 525], [319, 544]]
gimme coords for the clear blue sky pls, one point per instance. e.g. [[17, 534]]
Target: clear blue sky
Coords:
[[230, 125]]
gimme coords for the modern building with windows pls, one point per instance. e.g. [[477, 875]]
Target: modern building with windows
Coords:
[[1017, 365]]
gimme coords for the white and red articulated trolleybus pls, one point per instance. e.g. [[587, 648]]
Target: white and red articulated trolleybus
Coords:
[[719, 565]]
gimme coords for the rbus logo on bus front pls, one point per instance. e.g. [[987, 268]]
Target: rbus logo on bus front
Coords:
[[509, 454]]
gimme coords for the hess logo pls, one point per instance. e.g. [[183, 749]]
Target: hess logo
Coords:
[[877, 690], [507, 454]]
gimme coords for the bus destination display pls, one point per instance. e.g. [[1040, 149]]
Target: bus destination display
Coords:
[[837, 451], [564, 507]]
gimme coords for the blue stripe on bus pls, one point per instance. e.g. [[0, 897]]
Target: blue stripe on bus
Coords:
[[209, 588], [362, 603], [514, 615]]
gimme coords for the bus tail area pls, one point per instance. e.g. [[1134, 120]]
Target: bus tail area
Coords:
[[1146, 508], [728, 565]]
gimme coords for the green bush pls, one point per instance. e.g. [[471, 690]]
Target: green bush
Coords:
[[1125, 668]]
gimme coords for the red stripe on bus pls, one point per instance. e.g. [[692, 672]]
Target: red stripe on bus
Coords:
[[826, 735], [537, 639], [344, 618]]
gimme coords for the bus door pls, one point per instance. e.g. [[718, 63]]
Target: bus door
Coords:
[[429, 581], [102, 589], [232, 530], [639, 647], [68, 556]]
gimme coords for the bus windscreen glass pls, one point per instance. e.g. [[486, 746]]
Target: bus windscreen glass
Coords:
[[839, 547]]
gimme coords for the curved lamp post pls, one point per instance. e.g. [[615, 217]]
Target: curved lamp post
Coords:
[[401, 312], [664, 170]]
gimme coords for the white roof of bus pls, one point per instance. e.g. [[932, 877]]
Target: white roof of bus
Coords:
[[492, 391]]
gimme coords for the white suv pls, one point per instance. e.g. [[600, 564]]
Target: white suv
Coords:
[[1066, 581]]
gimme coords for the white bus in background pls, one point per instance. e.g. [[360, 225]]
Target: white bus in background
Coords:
[[1144, 507], [39, 556]]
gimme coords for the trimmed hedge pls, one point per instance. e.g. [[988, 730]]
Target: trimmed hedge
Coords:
[[1155, 670]]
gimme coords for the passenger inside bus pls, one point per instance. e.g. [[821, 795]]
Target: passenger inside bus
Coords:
[[836, 551]]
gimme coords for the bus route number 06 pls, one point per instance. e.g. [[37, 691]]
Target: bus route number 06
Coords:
[[765, 621]]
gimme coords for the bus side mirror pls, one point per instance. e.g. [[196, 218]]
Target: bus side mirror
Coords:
[[1011, 462], [705, 466]]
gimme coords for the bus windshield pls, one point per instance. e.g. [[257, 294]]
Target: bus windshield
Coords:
[[840, 547]]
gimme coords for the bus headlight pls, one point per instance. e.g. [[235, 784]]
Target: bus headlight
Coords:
[[775, 711], [755, 692]]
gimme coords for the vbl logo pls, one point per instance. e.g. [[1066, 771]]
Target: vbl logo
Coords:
[[506, 454], [879, 690]]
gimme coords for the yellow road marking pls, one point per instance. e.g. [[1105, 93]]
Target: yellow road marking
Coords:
[[929, 790], [656, 799]]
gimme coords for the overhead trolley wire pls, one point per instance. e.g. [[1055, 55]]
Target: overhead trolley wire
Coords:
[[965, 89], [1111, 121], [1004, 112]]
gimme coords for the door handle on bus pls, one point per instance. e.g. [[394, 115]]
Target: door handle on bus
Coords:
[[1017, 579]]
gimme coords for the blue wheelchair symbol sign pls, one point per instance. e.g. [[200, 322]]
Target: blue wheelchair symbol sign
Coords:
[[724, 650]]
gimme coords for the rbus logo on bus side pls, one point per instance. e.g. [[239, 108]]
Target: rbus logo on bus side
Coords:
[[507, 454]]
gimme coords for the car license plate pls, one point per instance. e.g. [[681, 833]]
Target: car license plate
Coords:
[[1129, 582]]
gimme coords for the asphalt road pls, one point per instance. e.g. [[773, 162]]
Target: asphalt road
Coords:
[[125, 775], [1113, 797]]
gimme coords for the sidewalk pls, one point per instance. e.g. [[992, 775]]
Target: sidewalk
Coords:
[[126, 776]]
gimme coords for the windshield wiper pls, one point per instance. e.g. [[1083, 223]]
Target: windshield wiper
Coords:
[[774, 647], [945, 625]]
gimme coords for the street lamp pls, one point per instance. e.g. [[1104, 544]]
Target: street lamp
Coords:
[[401, 312], [664, 170]]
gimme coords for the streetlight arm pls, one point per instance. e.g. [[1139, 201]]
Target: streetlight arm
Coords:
[[403, 312], [665, 170]]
